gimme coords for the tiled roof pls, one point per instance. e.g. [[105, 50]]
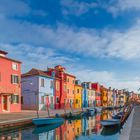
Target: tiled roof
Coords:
[[10, 59], [37, 72]]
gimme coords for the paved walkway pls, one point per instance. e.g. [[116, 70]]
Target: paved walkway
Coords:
[[26, 115], [135, 130], [125, 132]]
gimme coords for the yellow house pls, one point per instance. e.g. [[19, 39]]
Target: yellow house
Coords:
[[77, 94], [104, 96]]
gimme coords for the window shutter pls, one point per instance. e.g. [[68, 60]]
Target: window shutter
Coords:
[[11, 78]]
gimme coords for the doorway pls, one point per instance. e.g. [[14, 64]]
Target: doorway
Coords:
[[5, 103]]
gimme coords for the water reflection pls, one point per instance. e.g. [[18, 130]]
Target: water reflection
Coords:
[[85, 128]]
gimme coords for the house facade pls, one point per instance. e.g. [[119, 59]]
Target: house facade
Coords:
[[85, 95], [97, 88], [91, 95], [10, 88], [37, 90], [111, 97], [78, 94], [104, 96], [70, 85], [66, 83]]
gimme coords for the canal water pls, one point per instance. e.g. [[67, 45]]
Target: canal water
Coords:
[[87, 128]]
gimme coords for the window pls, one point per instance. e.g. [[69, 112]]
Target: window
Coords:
[[14, 66], [73, 81], [76, 101], [42, 99], [73, 91], [77, 90], [57, 86], [65, 88], [14, 99], [51, 84], [64, 101], [22, 100], [14, 79], [42, 82], [68, 90], [67, 79], [57, 100]]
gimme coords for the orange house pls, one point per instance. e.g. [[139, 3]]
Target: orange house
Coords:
[[70, 85], [10, 88]]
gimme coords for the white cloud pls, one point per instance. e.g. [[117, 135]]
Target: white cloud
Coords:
[[123, 6], [89, 42], [76, 8], [18, 8], [107, 79], [38, 57], [116, 7], [14, 8]]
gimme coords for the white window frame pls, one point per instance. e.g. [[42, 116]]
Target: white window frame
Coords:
[[15, 66]]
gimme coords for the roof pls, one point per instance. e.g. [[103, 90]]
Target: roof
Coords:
[[70, 75], [37, 72], [3, 52], [10, 59]]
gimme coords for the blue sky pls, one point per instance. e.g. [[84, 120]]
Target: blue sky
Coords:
[[97, 40]]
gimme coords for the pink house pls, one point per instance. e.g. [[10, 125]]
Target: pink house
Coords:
[[10, 90]]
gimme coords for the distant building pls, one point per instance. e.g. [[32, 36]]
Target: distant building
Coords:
[[122, 97], [78, 94], [97, 88], [37, 90], [104, 96], [111, 99], [91, 95], [85, 95], [10, 90]]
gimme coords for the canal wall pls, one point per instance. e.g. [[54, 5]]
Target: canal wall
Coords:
[[9, 121], [125, 132]]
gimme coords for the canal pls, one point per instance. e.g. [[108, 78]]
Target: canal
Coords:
[[86, 128]]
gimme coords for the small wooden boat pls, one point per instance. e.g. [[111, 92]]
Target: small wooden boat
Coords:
[[118, 115], [91, 112], [108, 131], [111, 122], [46, 128], [46, 121]]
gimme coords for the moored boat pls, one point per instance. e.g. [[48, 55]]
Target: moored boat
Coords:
[[46, 121], [46, 128], [111, 122], [91, 112]]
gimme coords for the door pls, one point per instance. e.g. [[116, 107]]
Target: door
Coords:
[[5, 106], [47, 102]]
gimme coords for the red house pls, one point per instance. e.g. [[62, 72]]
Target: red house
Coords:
[[10, 91], [64, 87], [96, 86]]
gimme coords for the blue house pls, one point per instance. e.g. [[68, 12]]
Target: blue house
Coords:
[[85, 95], [37, 89]]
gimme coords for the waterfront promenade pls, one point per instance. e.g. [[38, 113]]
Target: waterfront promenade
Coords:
[[135, 129], [8, 120]]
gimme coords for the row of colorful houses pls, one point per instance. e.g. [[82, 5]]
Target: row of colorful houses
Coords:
[[51, 88]]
